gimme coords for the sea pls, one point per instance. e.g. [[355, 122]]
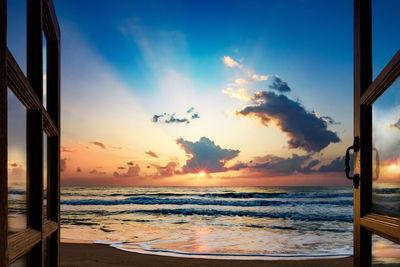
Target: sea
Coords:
[[213, 222], [217, 222]]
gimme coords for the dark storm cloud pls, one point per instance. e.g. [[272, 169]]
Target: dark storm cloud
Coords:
[[336, 165], [280, 85], [283, 166], [205, 156], [329, 120], [271, 165], [171, 118], [151, 154], [131, 172], [99, 144], [306, 130]]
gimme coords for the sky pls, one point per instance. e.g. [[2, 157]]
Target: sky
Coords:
[[203, 93]]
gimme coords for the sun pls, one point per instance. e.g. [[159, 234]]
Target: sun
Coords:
[[202, 174]]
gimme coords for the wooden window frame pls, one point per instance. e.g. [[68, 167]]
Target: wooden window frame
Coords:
[[366, 92], [41, 18]]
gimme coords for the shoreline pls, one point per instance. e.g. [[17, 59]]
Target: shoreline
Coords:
[[102, 255], [215, 256]]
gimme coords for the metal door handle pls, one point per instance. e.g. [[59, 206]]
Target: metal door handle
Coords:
[[355, 147]]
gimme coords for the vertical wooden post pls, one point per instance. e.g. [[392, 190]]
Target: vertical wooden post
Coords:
[[3, 135], [53, 145], [362, 128], [35, 127]]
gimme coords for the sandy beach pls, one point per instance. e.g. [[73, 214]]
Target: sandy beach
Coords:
[[89, 255]]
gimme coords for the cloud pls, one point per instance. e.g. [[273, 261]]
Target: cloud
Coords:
[[336, 165], [280, 85], [130, 163], [132, 172], [84, 146], [205, 156], [121, 168], [103, 146], [78, 169], [329, 120], [271, 165], [230, 62], [17, 171], [117, 147], [170, 118], [259, 78], [241, 94], [396, 125], [240, 81], [63, 164], [151, 154], [67, 149], [166, 171], [95, 172], [305, 130], [251, 78]]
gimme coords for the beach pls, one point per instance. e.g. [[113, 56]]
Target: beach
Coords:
[[88, 255]]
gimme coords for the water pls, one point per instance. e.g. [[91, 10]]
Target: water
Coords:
[[212, 222]]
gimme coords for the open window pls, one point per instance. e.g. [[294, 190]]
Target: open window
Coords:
[[29, 230]]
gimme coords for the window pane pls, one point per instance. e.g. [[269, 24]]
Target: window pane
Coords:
[[385, 33], [44, 71], [385, 252], [20, 262], [16, 31], [386, 156], [16, 164], [45, 178]]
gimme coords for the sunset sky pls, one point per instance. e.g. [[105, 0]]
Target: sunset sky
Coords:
[[204, 93]]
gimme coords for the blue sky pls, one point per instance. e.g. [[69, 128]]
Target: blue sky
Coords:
[[125, 61]]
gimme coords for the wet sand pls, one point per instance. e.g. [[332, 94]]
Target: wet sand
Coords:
[[96, 255]]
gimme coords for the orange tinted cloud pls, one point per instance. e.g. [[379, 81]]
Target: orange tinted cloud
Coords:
[[151, 154], [103, 146]]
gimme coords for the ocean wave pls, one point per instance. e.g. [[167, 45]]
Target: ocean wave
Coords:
[[386, 190], [255, 214], [194, 201], [16, 192], [220, 195]]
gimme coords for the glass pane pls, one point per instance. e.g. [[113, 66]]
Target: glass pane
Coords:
[[385, 252], [386, 156], [20, 262], [16, 164], [44, 72], [385, 33], [16, 31], [45, 179]]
